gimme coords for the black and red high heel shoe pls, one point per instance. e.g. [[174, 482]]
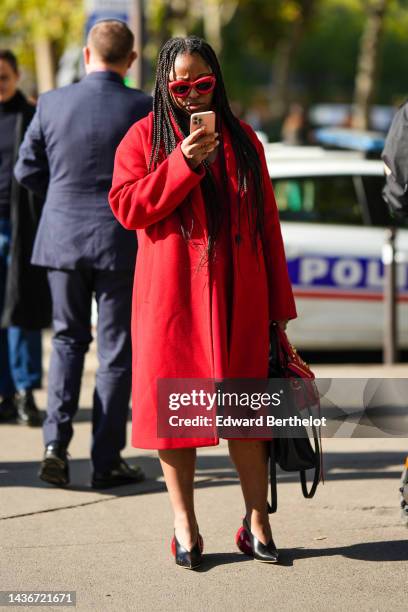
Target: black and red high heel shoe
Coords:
[[189, 559], [250, 545]]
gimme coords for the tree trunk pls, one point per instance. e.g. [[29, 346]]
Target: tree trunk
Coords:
[[136, 23], [368, 64], [284, 55], [44, 64], [216, 14], [213, 24], [281, 75]]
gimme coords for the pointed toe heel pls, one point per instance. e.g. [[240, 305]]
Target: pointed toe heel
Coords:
[[189, 559], [266, 553]]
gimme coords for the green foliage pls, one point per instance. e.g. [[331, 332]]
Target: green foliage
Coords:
[[328, 56], [263, 24], [393, 74], [325, 61], [251, 41], [22, 21], [325, 64]]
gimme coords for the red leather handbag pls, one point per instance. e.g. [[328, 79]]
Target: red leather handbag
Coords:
[[292, 366]]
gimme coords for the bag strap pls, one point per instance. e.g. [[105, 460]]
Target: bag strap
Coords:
[[318, 469], [316, 478], [273, 506]]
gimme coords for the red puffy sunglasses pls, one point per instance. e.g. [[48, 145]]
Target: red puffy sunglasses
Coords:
[[204, 85]]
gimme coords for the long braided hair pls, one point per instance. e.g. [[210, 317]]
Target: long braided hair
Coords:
[[247, 159]]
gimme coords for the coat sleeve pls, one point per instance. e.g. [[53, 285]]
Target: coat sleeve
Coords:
[[139, 198], [395, 156], [31, 169], [281, 300]]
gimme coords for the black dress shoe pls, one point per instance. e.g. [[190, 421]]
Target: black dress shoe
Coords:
[[54, 466], [122, 474], [28, 413], [267, 553], [189, 559], [8, 409]]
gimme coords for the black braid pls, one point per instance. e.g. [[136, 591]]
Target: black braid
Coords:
[[247, 159]]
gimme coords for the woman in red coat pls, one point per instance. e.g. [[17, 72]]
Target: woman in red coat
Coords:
[[210, 274]]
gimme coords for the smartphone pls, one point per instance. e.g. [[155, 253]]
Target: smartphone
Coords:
[[206, 118]]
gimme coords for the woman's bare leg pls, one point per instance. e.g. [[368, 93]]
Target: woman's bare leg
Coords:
[[251, 461], [178, 467]]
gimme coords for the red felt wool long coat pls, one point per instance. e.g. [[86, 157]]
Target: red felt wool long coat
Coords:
[[179, 326]]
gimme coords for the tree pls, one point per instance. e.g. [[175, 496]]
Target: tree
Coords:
[[285, 55], [367, 69], [40, 29], [216, 14], [182, 17], [392, 87], [272, 32], [167, 18]]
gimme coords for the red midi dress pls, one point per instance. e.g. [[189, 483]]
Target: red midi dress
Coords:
[[191, 320]]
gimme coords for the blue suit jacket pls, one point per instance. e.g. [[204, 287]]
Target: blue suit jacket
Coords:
[[68, 154]]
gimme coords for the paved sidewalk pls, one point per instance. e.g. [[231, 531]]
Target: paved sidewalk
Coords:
[[345, 549]]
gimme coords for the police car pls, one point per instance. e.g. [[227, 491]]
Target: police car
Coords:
[[333, 224]]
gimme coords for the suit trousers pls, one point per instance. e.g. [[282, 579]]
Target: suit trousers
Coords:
[[72, 292]]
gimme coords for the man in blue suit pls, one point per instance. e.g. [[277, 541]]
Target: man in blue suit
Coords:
[[68, 154]]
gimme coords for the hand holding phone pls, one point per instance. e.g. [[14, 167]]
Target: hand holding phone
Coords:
[[201, 142]]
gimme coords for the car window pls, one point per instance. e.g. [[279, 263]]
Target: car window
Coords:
[[318, 199]]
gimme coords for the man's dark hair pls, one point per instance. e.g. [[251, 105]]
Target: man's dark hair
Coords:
[[112, 40], [8, 56], [247, 159]]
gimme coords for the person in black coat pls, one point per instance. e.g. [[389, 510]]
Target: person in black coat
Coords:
[[395, 158], [395, 194], [68, 154], [25, 303]]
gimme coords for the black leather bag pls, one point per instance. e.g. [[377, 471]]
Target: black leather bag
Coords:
[[292, 454]]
